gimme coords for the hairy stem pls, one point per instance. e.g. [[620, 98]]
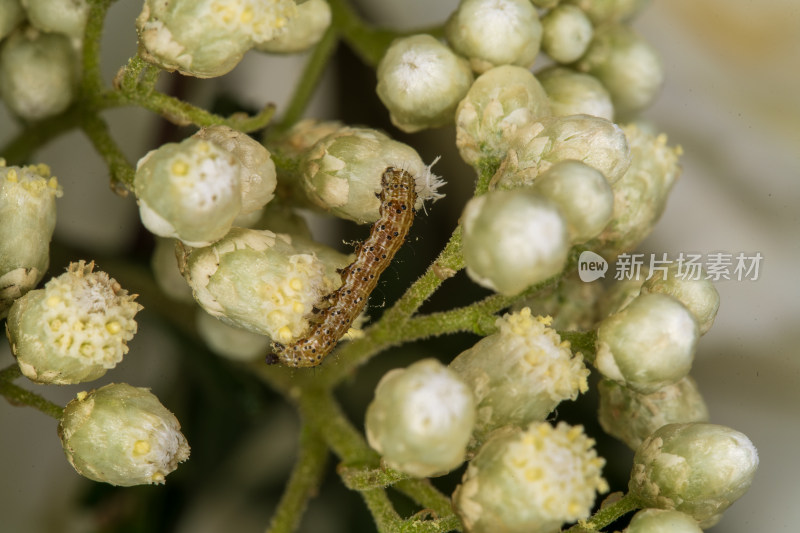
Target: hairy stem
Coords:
[[19, 396], [607, 515]]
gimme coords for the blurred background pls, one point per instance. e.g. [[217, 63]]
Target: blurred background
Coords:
[[731, 100]]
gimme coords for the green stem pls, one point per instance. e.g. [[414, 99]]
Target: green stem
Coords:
[[386, 518], [92, 80], [19, 396], [581, 341], [121, 170], [607, 515]]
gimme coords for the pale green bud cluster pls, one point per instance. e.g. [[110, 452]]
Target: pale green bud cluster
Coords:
[[59, 16], [27, 221], [207, 38], [604, 11], [530, 481], [342, 172], [230, 342], [121, 435], [575, 93], [491, 33], [699, 469], [566, 33], [11, 14], [513, 239], [421, 419], [38, 73], [519, 374], [260, 281], [647, 345], [698, 295], [631, 416], [73, 330], [302, 31], [662, 521], [421, 81]]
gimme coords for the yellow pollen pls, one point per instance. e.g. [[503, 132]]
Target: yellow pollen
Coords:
[[179, 168], [297, 307], [113, 327], [55, 324], [295, 284], [11, 176], [87, 350], [53, 301], [52, 183], [82, 395], [78, 326], [285, 333], [141, 447]]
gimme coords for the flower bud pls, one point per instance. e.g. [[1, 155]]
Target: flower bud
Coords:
[[648, 345], [59, 16], [631, 417], [27, 219], [641, 195], [602, 11], [38, 73], [165, 269], [495, 32], [582, 195], [513, 239], [566, 33], [628, 67], [121, 435], [699, 469], [279, 218], [233, 343], [421, 419], [698, 295], [301, 32], [342, 172], [501, 101], [421, 81], [11, 14], [73, 330], [207, 38], [260, 281], [662, 521], [620, 294], [530, 481], [575, 93], [519, 374]]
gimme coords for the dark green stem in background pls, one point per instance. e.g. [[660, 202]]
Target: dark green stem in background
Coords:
[[19, 396]]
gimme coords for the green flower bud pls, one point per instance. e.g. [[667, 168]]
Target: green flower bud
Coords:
[[60, 16], [73, 330], [519, 374], [632, 417], [165, 269], [301, 32], [699, 469], [342, 172], [495, 32], [575, 93], [27, 220], [513, 239], [582, 195], [500, 102], [620, 294], [189, 190], [421, 81], [571, 303], [602, 11], [121, 435], [530, 481], [230, 342], [260, 281], [258, 178], [647, 345], [11, 14], [566, 33], [662, 521], [698, 295], [628, 67], [38, 73], [207, 38], [641, 195], [421, 418]]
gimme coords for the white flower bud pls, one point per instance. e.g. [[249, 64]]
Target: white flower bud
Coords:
[[38, 73], [59, 16], [513, 239], [73, 330], [421, 81], [699, 469], [233, 343], [628, 67], [582, 195], [698, 295], [11, 14], [662, 521], [121, 435], [207, 38], [647, 345], [519, 374], [530, 481], [342, 172], [575, 93], [302, 31], [495, 32], [421, 419], [27, 220], [164, 265], [602, 11], [566, 33], [631, 417], [263, 282], [501, 101]]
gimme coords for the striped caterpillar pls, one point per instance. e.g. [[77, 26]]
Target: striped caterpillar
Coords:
[[398, 196]]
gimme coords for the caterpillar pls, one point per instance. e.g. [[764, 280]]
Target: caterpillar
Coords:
[[398, 196]]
